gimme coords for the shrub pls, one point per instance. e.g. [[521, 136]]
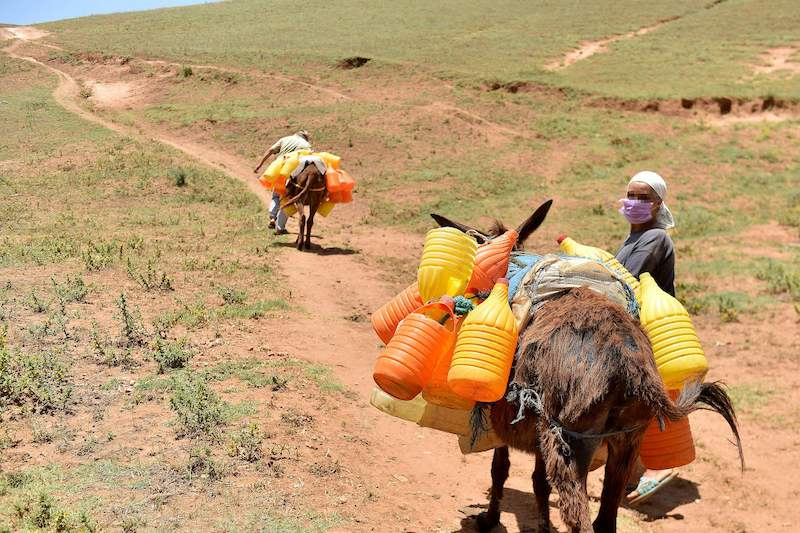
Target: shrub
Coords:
[[179, 176], [150, 279], [781, 278], [231, 296], [100, 255], [71, 289], [185, 72], [171, 354], [198, 409], [39, 380], [202, 465], [132, 329], [245, 444]]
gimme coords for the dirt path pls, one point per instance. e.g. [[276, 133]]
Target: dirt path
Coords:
[[587, 49]]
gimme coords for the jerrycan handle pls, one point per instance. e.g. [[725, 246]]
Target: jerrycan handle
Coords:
[[446, 304]]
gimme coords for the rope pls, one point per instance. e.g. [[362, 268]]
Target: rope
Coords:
[[529, 398], [463, 305]]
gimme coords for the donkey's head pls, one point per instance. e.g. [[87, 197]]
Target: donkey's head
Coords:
[[498, 228]]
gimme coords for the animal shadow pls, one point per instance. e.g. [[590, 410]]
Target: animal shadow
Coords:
[[519, 503], [317, 249], [676, 493]]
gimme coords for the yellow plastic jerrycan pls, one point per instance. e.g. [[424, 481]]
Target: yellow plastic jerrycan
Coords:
[[447, 261], [485, 349], [422, 413], [330, 160], [571, 247], [274, 169], [679, 356], [325, 208]]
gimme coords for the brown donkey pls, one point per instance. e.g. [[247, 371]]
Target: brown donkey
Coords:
[[307, 189], [584, 374]]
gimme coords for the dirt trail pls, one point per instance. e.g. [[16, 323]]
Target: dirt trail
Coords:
[[587, 49]]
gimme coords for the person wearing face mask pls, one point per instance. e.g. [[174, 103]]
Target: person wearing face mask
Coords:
[[649, 248]]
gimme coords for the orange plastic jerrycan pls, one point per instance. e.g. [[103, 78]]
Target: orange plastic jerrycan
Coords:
[[491, 261], [679, 356], [670, 448], [570, 247], [447, 261], [438, 392], [386, 319], [406, 364], [485, 349]]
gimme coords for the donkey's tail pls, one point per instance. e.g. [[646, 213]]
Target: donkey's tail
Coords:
[[707, 397], [296, 197]]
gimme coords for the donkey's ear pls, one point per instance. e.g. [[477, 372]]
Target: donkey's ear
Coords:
[[445, 222], [534, 221]]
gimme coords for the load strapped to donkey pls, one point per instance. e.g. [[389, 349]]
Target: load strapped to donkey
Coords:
[[551, 354], [426, 361], [338, 183]]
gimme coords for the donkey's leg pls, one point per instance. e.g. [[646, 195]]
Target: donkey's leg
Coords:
[[312, 210], [301, 233], [541, 489], [500, 467], [622, 453]]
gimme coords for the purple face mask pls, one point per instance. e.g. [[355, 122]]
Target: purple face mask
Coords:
[[636, 211]]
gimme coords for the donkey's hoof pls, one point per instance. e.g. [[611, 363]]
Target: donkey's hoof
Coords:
[[486, 521]]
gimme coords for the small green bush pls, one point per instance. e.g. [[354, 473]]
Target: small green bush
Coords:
[[171, 355], [72, 289], [39, 380], [231, 296], [179, 176], [149, 279], [198, 409], [245, 444], [132, 329]]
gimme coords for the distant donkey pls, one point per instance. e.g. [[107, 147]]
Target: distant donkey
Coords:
[[584, 374], [306, 189]]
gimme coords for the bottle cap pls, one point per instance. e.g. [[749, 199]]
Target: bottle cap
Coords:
[[561, 238]]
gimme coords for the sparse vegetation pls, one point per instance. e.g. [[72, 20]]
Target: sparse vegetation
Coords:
[[245, 444], [148, 278], [170, 355], [198, 409], [39, 381]]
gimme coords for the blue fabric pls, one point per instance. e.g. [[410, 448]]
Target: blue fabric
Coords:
[[519, 264]]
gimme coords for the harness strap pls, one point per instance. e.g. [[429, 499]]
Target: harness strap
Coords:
[[530, 398]]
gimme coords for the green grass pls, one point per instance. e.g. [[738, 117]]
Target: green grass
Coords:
[[706, 52]]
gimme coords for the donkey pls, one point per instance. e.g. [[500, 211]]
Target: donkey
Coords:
[[307, 189], [584, 374]]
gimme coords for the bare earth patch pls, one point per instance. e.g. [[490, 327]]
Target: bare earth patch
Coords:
[[589, 48], [778, 60], [27, 33]]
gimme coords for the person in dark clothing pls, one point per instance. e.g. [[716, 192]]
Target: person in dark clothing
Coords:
[[649, 248]]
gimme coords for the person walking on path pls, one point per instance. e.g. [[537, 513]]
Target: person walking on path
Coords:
[[284, 145]]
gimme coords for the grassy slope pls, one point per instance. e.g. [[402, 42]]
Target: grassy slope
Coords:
[[88, 437], [705, 53]]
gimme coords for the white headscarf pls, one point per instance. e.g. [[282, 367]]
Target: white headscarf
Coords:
[[664, 218]]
